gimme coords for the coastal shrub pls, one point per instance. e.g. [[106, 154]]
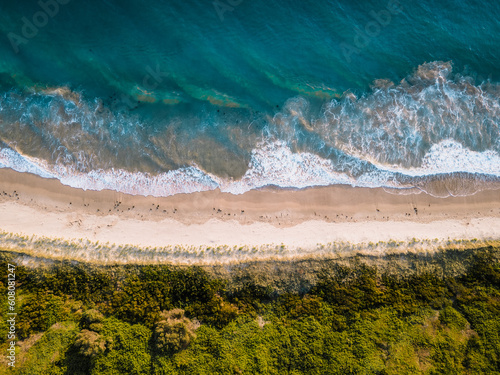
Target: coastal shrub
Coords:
[[349, 289], [41, 311], [217, 312], [92, 319], [129, 349], [90, 343], [173, 332], [353, 318], [47, 353], [452, 318], [293, 307]]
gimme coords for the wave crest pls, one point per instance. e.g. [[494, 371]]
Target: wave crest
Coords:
[[431, 125]]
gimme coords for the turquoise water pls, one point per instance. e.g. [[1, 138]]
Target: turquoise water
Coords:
[[167, 97]]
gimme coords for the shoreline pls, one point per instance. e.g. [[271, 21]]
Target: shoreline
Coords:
[[297, 219]]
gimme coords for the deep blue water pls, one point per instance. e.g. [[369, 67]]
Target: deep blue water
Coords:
[[162, 97]]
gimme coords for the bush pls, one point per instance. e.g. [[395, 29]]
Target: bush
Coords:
[[452, 318], [90, 343], [174, 331]]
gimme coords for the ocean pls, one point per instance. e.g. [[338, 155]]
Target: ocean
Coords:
[[166, 97]]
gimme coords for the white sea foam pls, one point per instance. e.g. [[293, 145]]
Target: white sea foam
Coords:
[[183, 180], [432, 123], [11, 159], [450, 156], [397, 124], [275, 164], [272, 163]]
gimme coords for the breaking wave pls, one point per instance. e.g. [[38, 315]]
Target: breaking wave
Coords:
[[432, 126]]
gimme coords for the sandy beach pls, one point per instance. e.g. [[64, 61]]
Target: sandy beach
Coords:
[[32, 206]]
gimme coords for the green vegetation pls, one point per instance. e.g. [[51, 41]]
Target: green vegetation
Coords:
[[173, 331], [362, 315]]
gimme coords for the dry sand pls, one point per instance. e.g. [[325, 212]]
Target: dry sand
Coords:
[[31, 205]]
